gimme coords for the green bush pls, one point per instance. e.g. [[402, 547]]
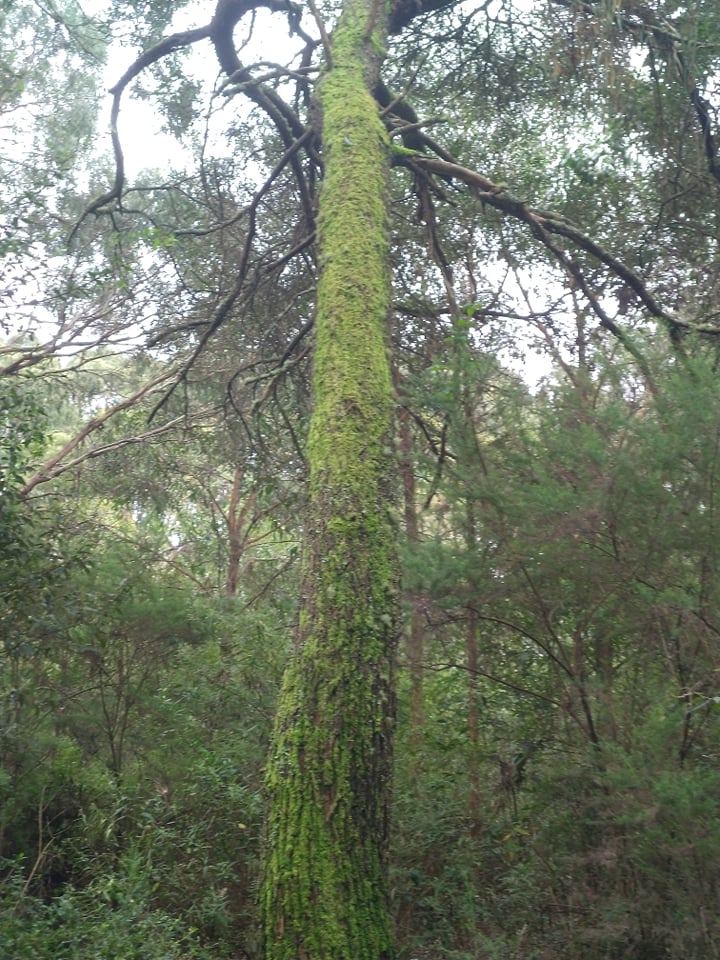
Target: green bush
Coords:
[[112, 919]]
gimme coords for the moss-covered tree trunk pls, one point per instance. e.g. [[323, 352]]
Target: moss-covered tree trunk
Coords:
[[324, 892]]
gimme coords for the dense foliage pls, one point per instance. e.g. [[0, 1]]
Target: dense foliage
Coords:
[[555, 269]]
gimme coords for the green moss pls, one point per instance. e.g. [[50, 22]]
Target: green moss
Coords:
[[400, 152]]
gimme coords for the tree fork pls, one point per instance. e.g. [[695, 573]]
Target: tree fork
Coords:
[[324, 891]]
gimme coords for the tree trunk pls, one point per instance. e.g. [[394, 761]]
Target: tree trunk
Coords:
[[329, 770], [233, 521], [473, 720], [416, 630], [472, 659]]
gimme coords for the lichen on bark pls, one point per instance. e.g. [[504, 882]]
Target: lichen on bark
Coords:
[[329, 770]]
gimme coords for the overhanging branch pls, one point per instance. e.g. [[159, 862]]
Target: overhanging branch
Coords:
[[162, 49], [542, 223]]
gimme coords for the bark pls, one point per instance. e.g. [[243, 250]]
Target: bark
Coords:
[[329, 770], [238, 520], [472, 662], [473, 720], [416, 630]]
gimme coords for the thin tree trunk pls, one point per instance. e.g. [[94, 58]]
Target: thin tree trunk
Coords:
[[329, 770], [473, 720], [416, 631], [238, 520], [234, 528], [472, 663]]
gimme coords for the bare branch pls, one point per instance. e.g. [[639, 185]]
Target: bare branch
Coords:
[[162, 49], [71, 337], [223, 310], [543, 222], [220, 31], [58, 463], [403, 12]]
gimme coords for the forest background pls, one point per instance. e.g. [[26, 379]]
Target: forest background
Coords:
[[556, 196]]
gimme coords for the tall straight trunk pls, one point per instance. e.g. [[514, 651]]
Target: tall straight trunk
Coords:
[[472, 663], [329, 770], [415, 644], [416, 627], [473, 720]]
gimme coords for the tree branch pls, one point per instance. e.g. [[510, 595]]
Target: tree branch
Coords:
[[162, 49], [403, 12], [54, 466], [543, 222]]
